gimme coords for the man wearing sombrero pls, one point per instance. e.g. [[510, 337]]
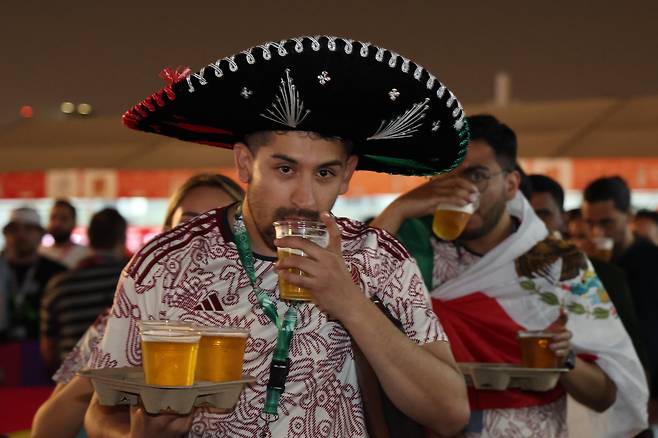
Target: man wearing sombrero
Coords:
[[301, 116]]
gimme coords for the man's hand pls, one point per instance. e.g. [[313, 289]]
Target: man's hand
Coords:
[[561, 342], [449, 189], [423, 200], [144, 425], [325, 272], [587, 382]]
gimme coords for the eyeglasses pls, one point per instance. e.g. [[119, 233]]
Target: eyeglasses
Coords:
[[480, 177]]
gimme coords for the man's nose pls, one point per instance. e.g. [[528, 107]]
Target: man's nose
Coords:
[[303, 196]]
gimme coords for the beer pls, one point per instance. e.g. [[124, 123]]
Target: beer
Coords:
[[169, 357], [536, 351], [221, 353], [602, 248], [312, 230], [450, 220], [288, 291]]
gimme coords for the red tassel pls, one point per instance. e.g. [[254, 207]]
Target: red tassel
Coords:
[[157, 97], [172, 76]]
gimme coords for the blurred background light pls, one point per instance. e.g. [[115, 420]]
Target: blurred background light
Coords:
[[67, 107], [26, 112]]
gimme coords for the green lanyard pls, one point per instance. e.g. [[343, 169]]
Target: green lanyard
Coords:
[[280, 361]]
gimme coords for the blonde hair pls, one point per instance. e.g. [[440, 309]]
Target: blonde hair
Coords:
[[213, 180]]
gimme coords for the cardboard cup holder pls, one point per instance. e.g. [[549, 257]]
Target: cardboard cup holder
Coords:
[[126, 386], [500, 376]]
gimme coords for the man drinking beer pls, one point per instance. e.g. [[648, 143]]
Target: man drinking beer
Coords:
[[301, 116], [504, 277]]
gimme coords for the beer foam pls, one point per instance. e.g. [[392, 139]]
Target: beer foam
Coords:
[[314, 231], [535, 334], [468, 208], [227, 332], [322, 241], [164, 324], [604, 243], [170, 336]]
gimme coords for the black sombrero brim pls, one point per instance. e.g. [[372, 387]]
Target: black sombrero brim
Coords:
[[400, 117]]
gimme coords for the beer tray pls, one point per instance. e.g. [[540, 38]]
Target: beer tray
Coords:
[[126, 386], [502, 376]]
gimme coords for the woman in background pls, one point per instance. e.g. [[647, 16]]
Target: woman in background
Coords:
[[62, 415]]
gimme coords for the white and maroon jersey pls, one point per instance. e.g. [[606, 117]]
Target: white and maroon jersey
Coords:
[[193, 273]]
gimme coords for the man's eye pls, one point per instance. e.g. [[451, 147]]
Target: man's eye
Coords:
[[285, 169], [325, 173], [477, 177]]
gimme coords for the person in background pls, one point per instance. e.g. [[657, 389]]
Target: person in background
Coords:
[[65, 409], [576, 228], [199, 194], [525, 183], [645, 224], [505, 274], [63, 217], [607, 212], [547, 200], [74, 299], [26, 275]]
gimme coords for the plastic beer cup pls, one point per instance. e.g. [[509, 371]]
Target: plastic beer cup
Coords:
[[603, 248], [536, 351], [221, 353], [312, 230], [450, 220], [169, 357]]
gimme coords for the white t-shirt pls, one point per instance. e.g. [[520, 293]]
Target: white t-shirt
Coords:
[[193, 273], [68, 256]]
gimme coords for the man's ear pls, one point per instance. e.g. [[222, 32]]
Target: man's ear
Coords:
[[350, 167], [512, 183], [244, 162]]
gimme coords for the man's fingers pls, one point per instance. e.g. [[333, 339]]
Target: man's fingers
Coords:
[[298, 280], [333, 231], [294, 261], [453, 183], [294, 242]]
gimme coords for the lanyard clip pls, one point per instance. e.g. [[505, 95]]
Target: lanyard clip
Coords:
[[278, 374]]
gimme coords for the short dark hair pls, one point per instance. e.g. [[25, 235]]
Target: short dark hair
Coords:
[[610, 188], [574, 214], [647, 214], [66, 204], [499, 136], [255, 140], [525, 185], [107, 229], [546, 184]]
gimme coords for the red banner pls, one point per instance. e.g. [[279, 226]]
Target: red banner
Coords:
[[573, 174]]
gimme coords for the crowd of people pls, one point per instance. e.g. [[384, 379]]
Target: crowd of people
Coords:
[[413, 306]]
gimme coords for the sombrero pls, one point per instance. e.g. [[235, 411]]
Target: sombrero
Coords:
[[399, 116]]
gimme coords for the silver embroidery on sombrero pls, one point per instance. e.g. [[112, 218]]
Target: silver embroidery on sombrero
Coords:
[[403, 126], [292, 113], [288, 108]]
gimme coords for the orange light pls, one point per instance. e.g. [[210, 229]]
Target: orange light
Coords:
[[26, 112]]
